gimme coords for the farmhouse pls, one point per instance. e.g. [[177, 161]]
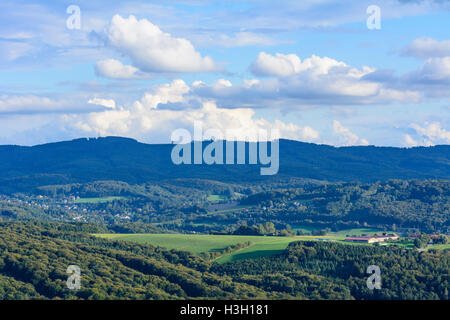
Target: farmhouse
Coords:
[[378, 237]]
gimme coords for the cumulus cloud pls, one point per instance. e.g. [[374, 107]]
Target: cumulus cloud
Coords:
[[158, 124], [346, 137], [434, 69], [309, 134], [293, 83], [10, 51], [279, 65], [165, 93], [154, 51], [428, 134], [31, 104], [238, 39], [148, 119], [108, 103], [425, 48], [114, 69], [432, 78], [76, 103], [283, 65], [409, 141]]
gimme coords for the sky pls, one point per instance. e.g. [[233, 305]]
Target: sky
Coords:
[[322, 71]]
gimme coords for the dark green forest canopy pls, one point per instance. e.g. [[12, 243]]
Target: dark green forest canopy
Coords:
[[122, 159], [34, 258], [317, 185], [340, 271], [182, 205], [414, 204]]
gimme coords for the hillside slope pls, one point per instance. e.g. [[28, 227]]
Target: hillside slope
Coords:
[[113, 158]]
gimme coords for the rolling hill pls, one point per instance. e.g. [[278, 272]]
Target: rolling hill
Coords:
[[124, 159]]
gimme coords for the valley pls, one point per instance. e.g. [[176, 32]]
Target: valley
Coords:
[[219, 234]]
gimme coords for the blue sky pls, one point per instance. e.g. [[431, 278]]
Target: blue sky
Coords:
[[312, 70]]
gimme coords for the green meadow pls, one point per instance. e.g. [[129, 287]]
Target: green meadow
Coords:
[[439, 246], [341, 234], [261, 246], [216, 197], [98, 200]]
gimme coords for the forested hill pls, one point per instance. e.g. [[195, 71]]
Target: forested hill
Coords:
[[34, 257], [114, 158]]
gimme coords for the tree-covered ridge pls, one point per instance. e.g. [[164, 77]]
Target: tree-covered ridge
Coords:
[[417, 204], [184, 205], [121, 159], [318, 269], [34, 258]]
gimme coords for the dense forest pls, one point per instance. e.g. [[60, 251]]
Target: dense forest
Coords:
[[335, 271], [54, 197], [417, 204], [22, 169], [182, 205], [34, 258]]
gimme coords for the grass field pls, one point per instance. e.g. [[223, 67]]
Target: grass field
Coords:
[[357, 232], [216, 197], [261, 246], [220, 197], [439, 246], [98, 200], [307, 230], [232, 209]]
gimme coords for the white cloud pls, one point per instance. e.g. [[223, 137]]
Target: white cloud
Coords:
[[346, 137], [295, 83], [108, 103], [425, 48], [409, 141], [434, 69], [36, 104], [238, 39], [432, 79], [145, 118], [11, 51], [142, 123], [111, 68], [430, 134], [309, 134], [110, 122], [222, 83], [53, 103], [152, 50], [165, 93], [281, 65]]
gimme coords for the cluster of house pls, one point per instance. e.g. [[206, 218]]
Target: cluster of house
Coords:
[[377, 237]]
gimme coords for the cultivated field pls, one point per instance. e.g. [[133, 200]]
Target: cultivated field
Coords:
[[261, 246], [98, 200]]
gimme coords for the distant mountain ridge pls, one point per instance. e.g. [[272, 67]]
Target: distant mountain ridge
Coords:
[[124, 159]]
